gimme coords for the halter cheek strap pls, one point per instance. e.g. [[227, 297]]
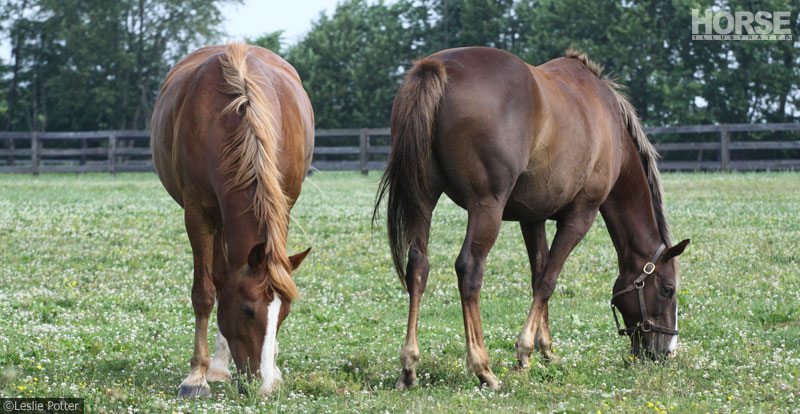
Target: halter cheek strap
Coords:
[[645, 325]]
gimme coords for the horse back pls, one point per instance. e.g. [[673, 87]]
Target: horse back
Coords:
[[190, 131], [545, 137]]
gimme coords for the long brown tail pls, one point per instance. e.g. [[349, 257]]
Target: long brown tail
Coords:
[[251, 158], [405, 177]]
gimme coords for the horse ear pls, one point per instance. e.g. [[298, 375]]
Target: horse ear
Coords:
[[298, 258], [676, 250], [257, 259]]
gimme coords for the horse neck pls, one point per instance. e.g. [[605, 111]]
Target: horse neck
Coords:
[[629, 215]]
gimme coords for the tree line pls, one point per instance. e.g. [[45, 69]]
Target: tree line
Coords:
[[93, 64]]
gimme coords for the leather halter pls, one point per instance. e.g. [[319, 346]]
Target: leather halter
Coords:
[[645, 325]]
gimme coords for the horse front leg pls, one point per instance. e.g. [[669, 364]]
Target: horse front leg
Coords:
[[220, 363], [201, 235], [535, 237], [570, 229]]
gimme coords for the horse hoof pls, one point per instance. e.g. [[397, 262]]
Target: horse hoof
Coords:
[[194, 391], [406, 382], [489, 381], [549, 356], [214, 375]]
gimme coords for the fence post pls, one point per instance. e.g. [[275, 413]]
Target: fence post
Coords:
[[112, 153], [363, 141], [724, 147], [83, 152], [35, 147], [10, 161]]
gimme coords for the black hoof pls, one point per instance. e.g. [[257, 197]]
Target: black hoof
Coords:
[[407, 381], [194, 391]]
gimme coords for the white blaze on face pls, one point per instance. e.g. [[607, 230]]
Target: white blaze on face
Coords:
[[268, 369], [673, 344]]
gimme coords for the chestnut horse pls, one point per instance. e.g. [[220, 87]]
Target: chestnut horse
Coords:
[[509, 141], [232, 137]]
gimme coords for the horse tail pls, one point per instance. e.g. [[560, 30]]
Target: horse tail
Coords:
[[405, 179], [251, 158]]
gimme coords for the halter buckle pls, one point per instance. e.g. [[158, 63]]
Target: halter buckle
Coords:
[[638, 285], [649, 268], [646, 326]]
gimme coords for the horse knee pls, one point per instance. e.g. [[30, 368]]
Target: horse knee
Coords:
[[203, 298]]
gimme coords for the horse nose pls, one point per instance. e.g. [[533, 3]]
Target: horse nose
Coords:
[[660, 349]]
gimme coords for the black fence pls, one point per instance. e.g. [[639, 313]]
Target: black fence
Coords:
[[711, 148]]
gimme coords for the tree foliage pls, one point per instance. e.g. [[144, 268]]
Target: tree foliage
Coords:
[[94, 64], [349, 62]]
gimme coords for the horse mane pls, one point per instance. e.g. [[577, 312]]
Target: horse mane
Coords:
[[647, 153], [251, 157]]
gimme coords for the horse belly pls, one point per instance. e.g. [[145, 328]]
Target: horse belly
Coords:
[[535, 198]]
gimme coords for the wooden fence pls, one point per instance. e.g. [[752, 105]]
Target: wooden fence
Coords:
[[95, 151], [724, 147], [366, 149]]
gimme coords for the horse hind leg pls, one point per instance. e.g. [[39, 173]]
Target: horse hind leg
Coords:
[[535, 237], [218, 370], [201, 235], [417, 271], [483, 226]]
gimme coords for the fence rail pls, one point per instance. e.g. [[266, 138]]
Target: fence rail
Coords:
[[362, 150]]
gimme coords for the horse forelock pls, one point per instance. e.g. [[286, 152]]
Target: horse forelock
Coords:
[[251, 158]]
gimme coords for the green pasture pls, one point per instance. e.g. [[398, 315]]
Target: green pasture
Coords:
[[94, 303]]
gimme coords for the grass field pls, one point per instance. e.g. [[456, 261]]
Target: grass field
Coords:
[[94, 303]]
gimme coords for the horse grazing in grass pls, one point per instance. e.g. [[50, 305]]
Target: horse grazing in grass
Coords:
[[509, 141], [232, 137]]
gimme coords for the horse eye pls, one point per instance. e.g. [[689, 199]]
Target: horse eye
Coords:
[[248, 311], [667, 292]]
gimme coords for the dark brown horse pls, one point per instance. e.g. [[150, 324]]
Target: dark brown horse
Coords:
[[509, 141], [232, 137]]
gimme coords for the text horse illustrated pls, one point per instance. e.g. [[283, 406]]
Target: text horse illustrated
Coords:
[[509, 141]]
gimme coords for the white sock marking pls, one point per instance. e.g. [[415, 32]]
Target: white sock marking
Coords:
[[268, 375], [222, 354]]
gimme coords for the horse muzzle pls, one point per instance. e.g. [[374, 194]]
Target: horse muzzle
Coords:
[[655, 345]]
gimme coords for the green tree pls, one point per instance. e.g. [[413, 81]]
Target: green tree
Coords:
[[270, 41], [352, 62], [93, 64], [475, 23], [671, 79]]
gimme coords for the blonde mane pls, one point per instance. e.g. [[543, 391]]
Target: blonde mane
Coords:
[[647, 152], [251, 157]]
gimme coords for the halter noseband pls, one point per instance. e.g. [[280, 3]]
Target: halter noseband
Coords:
[[645, 325]]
